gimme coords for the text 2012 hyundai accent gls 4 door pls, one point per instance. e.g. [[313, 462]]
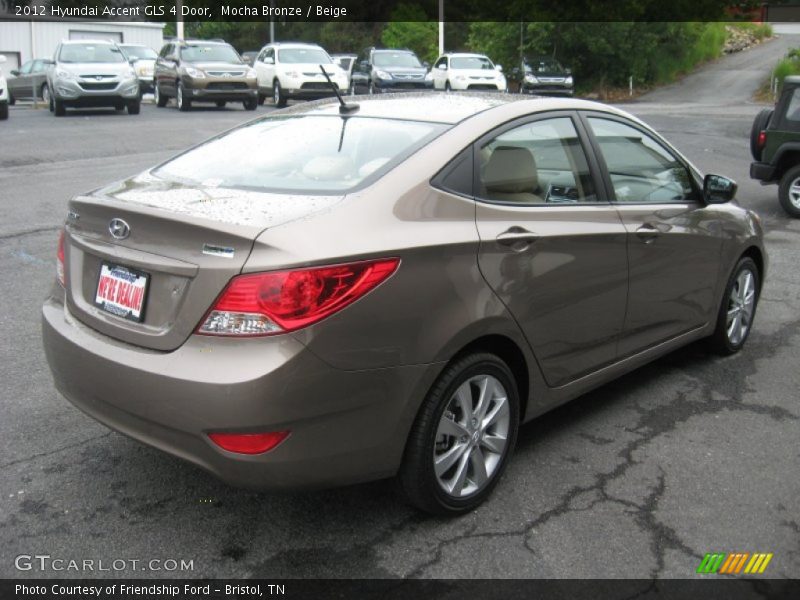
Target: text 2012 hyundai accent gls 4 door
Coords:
[[316, 298]]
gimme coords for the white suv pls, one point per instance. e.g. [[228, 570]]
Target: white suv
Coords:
[[467, 72], [3, 92], [292, 70]]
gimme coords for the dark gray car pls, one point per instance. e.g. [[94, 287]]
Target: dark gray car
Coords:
[[323, 296], [29, 81]]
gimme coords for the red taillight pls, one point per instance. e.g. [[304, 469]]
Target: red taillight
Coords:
[[762, 139], [281, 301], [60, 271], [248, 443]]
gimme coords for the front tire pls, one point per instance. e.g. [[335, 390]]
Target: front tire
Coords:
[[11, 100], [3, 111], [738, 308], [447, 87], [250, 104], [134, 107], [221, 103], [184, 104], [278, 99], [58, 107], [789, 192], [462, 437], [161, 100]]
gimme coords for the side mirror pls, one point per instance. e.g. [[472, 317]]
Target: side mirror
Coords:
[[133, 59], [718, 189], [268, 60], [426, 64], [14, 72], [442, 67], [498, 68]]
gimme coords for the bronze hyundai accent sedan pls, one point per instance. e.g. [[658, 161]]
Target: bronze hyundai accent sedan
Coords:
[[319, 298]]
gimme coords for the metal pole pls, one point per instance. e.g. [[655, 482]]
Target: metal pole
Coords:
[[33, 57], [441, 27], [179, 22], [271, 23]]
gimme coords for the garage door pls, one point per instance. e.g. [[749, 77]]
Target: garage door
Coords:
[[12, 62], [114, 36]]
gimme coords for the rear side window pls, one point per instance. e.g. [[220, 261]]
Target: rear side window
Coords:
[[793, 112], [313, 154], [542, 162]]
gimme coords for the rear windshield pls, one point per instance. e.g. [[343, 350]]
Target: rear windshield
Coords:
[[471, 62], [139, 52], [90, 53], [209, 53], [304, 55], [311, 154], [395, 59]]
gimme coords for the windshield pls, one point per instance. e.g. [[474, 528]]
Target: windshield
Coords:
[[544, 65], [471, 62], [139, 52], [395, 59], [210, 53], [316, 56], [302, 153], [90, 53]]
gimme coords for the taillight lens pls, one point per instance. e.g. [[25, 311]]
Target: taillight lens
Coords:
[[248, 443], [60, 271], [762, 139], [282, 301]]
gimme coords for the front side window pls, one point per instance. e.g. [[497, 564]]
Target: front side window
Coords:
[[90, 53], [298, 56], [640, 168], [304, 153], [195, 53], [471, 62], [537, 163], [442, 62]]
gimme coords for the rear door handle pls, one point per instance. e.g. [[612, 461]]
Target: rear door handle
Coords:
[[518, 238], [647, 233]]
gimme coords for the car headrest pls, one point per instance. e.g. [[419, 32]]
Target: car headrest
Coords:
[[510, 169]]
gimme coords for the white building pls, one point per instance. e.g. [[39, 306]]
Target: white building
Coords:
[[21, 41]]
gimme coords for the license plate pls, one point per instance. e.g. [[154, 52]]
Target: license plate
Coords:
[[121, 291]]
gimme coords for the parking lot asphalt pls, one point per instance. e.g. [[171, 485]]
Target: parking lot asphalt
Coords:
[[640, 478]]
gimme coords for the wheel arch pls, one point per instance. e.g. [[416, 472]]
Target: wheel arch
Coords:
[[755, 253], [788, 155]]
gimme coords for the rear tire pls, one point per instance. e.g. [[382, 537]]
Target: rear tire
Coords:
[[58, 107], [134, 107], [3, 111], [447, 87], [789, 192], [45, 93], [261, 99], [221, 103], [760, 123], [462, 437], [738, 308], [161, 100]]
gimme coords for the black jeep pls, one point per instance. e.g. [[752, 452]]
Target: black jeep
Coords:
[[775, 146]]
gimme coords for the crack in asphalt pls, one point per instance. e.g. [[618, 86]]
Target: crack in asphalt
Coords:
[[19, 234], [56, 451]]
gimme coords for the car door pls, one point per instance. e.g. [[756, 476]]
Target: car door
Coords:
[[265, 70], [20, 86], [551, 245], [674, 240], [167, 70], [440, 73]]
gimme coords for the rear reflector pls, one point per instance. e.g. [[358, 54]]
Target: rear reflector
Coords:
[[248, 443], [60, 272], [282, 301], [762, 139]]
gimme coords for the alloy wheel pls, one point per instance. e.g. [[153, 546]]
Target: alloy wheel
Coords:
[[794, 193], [741, 305], [472, 436]]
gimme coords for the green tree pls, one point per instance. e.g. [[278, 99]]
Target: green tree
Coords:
[[409, 29]]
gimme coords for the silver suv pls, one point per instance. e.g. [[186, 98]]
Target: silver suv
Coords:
[[92, 73]]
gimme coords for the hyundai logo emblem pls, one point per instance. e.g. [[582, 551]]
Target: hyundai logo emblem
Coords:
[[119, 229]]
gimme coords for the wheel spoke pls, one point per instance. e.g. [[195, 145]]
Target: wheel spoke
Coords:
[[463, 398], [444, 462], [478, 462], [451, 427], [494, 443], [456, 485], [486, 391], [499, 409]]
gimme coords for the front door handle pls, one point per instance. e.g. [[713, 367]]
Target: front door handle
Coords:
[[517, 238], [647, 233]]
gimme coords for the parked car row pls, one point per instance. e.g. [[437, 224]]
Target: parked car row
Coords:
[[97, 73]]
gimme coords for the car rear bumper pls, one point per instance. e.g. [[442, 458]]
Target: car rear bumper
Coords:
[[762, 171], [346, 426]]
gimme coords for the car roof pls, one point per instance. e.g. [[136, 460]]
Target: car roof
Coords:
[[294, 45], [76, 42], [465, 54], [445, 108]]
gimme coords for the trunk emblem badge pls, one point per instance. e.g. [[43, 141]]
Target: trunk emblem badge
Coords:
[[119, 229]]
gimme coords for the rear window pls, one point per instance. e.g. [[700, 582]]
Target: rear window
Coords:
[[303, 154]]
